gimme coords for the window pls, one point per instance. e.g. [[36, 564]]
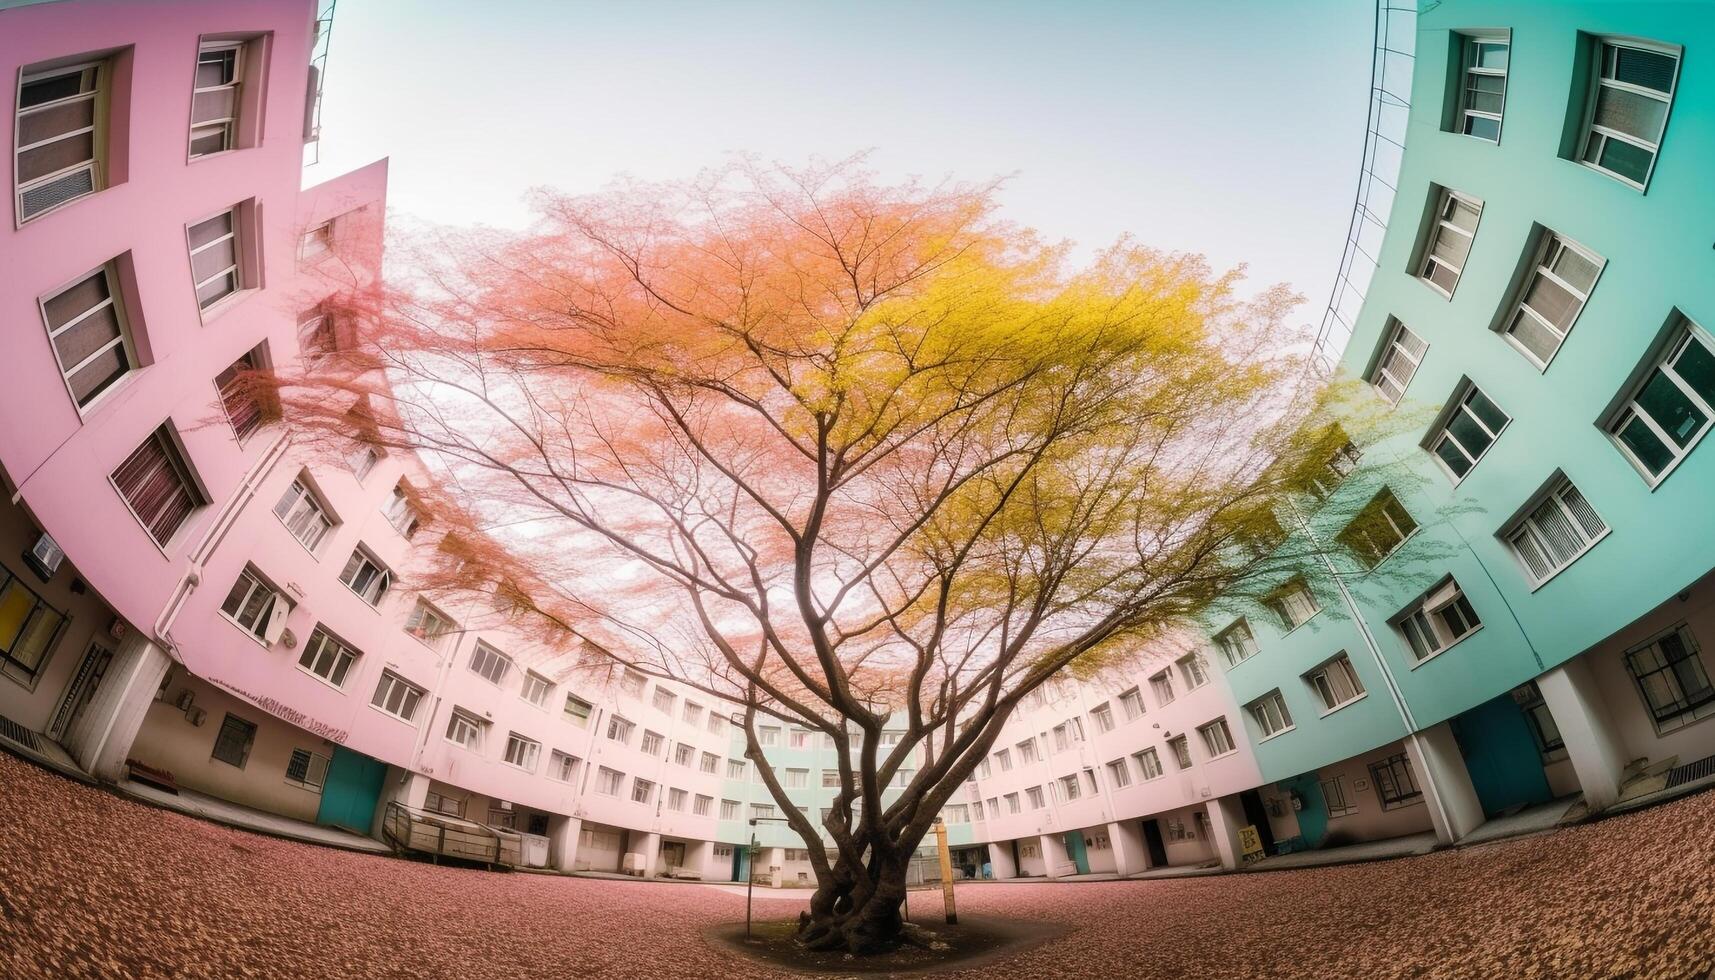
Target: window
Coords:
[[1066, 733], [232, 745], [364, 575], [735, 769], [489, 664], [888, 739], [761, 811], [400, 512], [710, 763], [1334, 472], [1150, 762], [327, 657], [1336, 683], [61, 135], [1542, 727], [307, 769], [217, 268], [239, 393], [1104, 717], [362, 460], [977, 811], [1012, 805], [768, 735], [676, 799], [1394, 782], [717, 723], [28, 627], [1027, 751], [1003, 758], [797, 778], [1270, 714], [157, 485], [562, 766], [536, 688], [1671, 678], [1449, 242], [521, 751], [256, 606], [631, 683], [830, 779], [303, 515], [1069, 787], [577, 711], [1551, 298], [684, 754], [1483, 90], [702, 805], [428, 624], [1626, 110], [1669, 411], [1237, 643], [1191, 668], [318, 240], [1442, 619], [730, 809], [1293, 603], [693, 713], [90, 334], [1555, 532], [1131, 702], [797, 738], [1334, 795], [1162, 686], [608, 781], [316, 336], [1378, 529], [1037, 801], [619, 729], [397, 696], [1466, 432], [1119, 773], [215, 100], [1181, 750], [1217, 737], [452, 806], [1398, 363], [653, 742]]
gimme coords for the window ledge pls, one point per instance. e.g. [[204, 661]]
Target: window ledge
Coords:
[[320, 679], [1348, 704], [1265, 738], [1448, 647], [1598, 539], [398, 718], [264, 644], [209, 314], [1306, 622]]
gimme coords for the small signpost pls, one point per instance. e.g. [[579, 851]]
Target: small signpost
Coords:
[[1250, 843], [946, 871]]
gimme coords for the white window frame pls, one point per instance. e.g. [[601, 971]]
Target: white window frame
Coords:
[[1547, 253], [239, 236], [385, 689], [315, 769], [1119, 773], [1180, 746], [653, 742], [270, 620], [1447, 203], [578, 718], [1359, 530], [1685, 333], [563, 766], [1469, 44], [1209, 730], [400, 513], [301, 504], [489, 664], [334, 653], [381, 579], [1193, 670], [1292, 596], [1149, 763], [608, 782], [1271, 715], [536, 689], [1103, 714], [1441, 434], [522, 752], [362, 461], [115, 300], [1525, 530], [1326, 679], [1238, 638], [1427, 620], [316, 241], [1131, 702], [1592, 132], [429, 625], [1161, 685], [98, 76], [1409, 349], [619, 729], [228, 125]]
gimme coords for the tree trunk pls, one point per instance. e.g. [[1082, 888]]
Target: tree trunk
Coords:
[[858, 909]]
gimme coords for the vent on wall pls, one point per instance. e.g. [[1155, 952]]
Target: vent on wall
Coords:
[[14, 732]]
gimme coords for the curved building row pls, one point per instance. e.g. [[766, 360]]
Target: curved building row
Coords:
[[1510, 609]]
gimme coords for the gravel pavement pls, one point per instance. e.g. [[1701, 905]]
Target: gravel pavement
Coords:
[[92, 884]]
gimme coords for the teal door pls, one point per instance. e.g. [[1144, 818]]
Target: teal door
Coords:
[[1313, 814], [741, 863], [351, 790], [1501, 755], [1075, 850]]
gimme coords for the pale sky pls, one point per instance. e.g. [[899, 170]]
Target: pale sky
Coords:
[[1227, 127]]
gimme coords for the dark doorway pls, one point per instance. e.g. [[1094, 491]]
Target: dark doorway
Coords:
[[1257, 816], [1153, 843]]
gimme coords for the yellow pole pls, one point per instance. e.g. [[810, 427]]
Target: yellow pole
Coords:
[[946, 872]]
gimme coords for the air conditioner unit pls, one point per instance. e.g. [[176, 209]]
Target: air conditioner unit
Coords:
[[186, 699], [44, 557], [196, 716]]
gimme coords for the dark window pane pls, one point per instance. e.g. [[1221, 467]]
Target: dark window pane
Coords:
[[1697, 366], [1668, 406], [1631, 162], [68, 304], [55, 156], [50, 89], [1645, 68], [60, 119], [1650, 451]]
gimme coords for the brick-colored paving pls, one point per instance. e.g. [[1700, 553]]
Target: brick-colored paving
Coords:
[[95, 885]]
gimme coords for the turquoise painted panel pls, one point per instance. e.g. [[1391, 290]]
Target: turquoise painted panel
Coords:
[[1501, 756], [351, 790]]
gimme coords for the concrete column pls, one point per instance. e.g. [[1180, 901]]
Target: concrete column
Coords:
[[1445, 782], [100, 739], [1001, 864], [698, 855], [563, 836], [775, 866], [1592, 742], [1130, 854], [399, 786], [649, 846], [1056, 861], [1226, 816]]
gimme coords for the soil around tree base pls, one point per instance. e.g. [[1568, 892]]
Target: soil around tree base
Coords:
[[977, 940]]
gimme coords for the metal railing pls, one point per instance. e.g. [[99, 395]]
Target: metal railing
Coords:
[[318, 79], [410, 829], [1393, 58]]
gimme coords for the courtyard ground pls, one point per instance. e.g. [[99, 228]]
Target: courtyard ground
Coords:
[[92, 884]]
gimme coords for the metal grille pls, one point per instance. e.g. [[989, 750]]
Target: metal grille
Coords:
[[1691, 771], [49, 195], [14, 732]]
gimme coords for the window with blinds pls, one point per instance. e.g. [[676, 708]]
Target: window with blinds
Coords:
[[1441, 619], [1670, 410], [241, 392], [1483, 89], [1553, 294], [327, 657], [1555, 532], [156, 484], [215, 100], [61, 135], [1293, 603], [1270, 714], [1454, 225], [217, 267], [303, 514], [87, 328], [1402, 352], [1631, 92], [1336, 684]]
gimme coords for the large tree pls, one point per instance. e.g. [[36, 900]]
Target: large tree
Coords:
[[856, 456]]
